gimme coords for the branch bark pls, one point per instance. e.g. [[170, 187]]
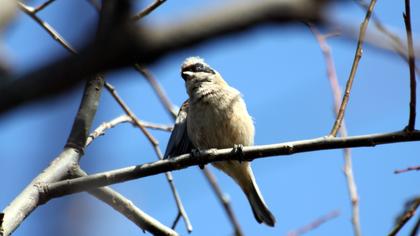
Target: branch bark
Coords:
[[249, 153]]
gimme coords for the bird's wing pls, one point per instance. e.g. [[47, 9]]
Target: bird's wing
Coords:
[[179, 142]]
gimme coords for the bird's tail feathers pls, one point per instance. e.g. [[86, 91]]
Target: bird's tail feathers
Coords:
[[259, 208]]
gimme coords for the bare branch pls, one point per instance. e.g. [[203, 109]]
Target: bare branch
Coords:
[[57, 37], [120, 120], [396, 42], [411, 168], [335, 88], [408, 213], [42, 6], [156, 148], [158, 90], [124, 206], [29, 199], [415, 230], [126, 44], [315, 224], [148, 9], [224, 200], [356, 60], [212, 155], [412, 65]]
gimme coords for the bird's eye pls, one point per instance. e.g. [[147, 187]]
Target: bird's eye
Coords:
[[198, 67]]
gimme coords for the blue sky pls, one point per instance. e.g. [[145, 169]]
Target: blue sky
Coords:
[[281, 73]]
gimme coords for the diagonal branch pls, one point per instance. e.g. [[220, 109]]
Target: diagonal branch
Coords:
[[126, 208], [212, 155], [66, 162], [356, 60], [408, 213], [170, 108], [156, 148], [224, 201], [100, 130], [30, 198], [348, 169], [411, 168], [315, 224], [50, 30], [146, 11], [42, 6]]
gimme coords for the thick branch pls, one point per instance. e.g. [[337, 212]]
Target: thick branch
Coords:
[[128, 44], [249, 153], [29, 198]]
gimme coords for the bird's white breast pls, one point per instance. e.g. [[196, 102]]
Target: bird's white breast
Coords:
[[218, 118]]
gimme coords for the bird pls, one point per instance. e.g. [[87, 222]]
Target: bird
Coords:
[[215, 116]]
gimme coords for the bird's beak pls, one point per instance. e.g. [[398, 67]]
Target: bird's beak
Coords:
[[187, 75]]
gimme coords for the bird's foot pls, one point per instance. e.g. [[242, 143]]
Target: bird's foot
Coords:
[[196, 153], [238, 149]]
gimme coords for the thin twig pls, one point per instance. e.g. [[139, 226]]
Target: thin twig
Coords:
[[315, 224], [30, 12], [412, 65], [158, 90], [123, 119], [42, 6], [204, 157], [224, 200], [398, 45], [356, 60], [415, 230], [408, 213], [335, 88], [411, 168], [156, 148], [148, 10]]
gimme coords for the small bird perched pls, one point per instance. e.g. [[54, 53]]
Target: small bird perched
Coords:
[[215, 116]]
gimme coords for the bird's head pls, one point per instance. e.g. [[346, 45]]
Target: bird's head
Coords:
[[196, 73]]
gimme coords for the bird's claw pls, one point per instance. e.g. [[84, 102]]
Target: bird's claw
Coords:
[[238, 149], [196, 153]]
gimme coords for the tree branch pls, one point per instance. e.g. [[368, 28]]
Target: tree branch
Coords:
[[100, 130], [127, 44], [224, 200], [348, 166], [155, 144], [411, 168], [412, 66], [124, 206], [315, 224], [169, 107], [408, 213], [356, 60], [212, 155], [146, 11]]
